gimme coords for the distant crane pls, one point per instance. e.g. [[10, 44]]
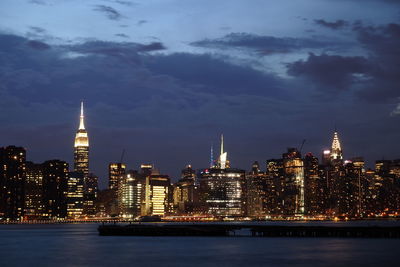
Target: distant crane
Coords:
[[122, 156], [302, 144]]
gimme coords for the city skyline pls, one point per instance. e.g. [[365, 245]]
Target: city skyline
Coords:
[[163, 76], [81, 157]]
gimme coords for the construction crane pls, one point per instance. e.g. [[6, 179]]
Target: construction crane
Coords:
[[122, 156], [302, 144]]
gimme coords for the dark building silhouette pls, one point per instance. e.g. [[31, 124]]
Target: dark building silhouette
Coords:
[[55, 188], [90, 194], [12, 182]]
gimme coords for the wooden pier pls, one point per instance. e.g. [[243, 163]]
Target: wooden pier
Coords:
[[210, 229]]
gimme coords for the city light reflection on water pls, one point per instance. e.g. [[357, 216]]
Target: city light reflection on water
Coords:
[[80, 244]]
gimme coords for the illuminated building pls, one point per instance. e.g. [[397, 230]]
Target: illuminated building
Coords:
[[336, 150], [12, 180], [258, 187], [116, 172], [314, 186], [294, 182], [157, 194], [275, 186], [326, 157], [223, 161], [33, 191], [222, 188], [90, 188], [185, 191], [55, 189], [81, 153], [132, 193], [75, 195]]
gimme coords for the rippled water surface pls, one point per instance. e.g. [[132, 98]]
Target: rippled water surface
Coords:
[[80, 245]]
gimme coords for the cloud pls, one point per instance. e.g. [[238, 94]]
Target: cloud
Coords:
[[334, 72], [38, 45], [262, 44], [37, 29], [396, 111], [383, 46], [38, 2], [110, 12], [215, 75], [123, 35], [121, 2], [336, 25], [155, 46], [141, 22]]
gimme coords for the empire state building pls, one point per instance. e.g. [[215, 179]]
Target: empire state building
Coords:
[[81, 152]]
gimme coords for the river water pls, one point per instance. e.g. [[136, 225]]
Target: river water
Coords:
[[80, 245]]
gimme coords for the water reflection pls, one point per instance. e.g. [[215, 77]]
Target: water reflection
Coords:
[[80, 245]]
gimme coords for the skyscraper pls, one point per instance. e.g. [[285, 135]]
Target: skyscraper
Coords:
[[34, 206], [81, 152], [75, 195], [294, 181], [336, 151], [222, 188], [116, 172], [12, 180], [55, 185]]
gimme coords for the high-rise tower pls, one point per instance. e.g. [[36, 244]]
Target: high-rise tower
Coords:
[[336, 151], [223, 157], [81, 152]]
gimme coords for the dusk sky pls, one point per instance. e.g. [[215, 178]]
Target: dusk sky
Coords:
[[163, 79]]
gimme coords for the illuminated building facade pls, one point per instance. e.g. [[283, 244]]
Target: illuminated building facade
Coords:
[[116, 172], [336, 150], [185, 191], [132, 193], [223, 188], [275, 187], [55, 185], [294, 182], [157, 195], [12, 182], [257, 186], [34, 206], [314, 186], [81, 145], [75, 195]]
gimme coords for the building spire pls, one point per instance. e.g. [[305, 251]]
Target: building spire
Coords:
[[336, 150], [212, 156], [222, 144], [82, 122]]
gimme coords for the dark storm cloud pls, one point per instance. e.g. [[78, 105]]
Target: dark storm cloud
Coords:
[[333, 72], [263, 44], [109, 11], [338, 24]]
